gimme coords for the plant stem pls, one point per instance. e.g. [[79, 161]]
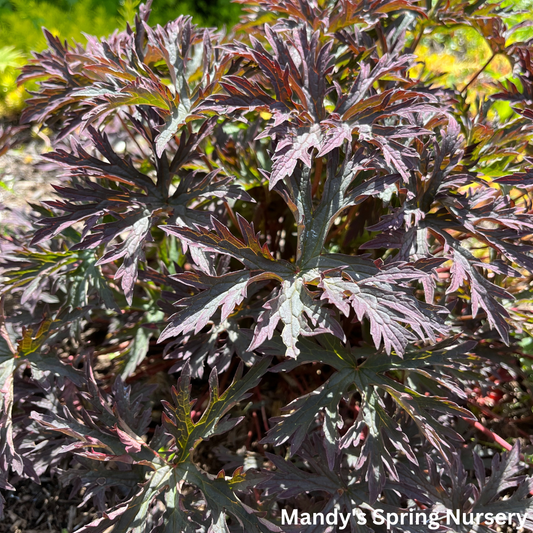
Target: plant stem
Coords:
[[344, 225], [232, 215], [479, 72], [3, 330], [132, 136], [318, 175], [487, 432], [417, 39]]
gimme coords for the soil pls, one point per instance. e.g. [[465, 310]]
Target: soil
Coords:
[[21, 181], [33, 508]]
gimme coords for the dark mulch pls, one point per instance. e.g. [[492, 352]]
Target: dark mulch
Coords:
[[44, 507]]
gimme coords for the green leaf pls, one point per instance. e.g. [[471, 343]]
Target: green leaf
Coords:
[[177, 417]]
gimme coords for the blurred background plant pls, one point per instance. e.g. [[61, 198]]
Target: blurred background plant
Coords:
[[21, 23], [456, 55], [12, 96]]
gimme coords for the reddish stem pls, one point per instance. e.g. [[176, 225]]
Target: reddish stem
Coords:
[[485, 411], [496, 438], [263, 410], [257, 426], [318, 175], [478, 72]]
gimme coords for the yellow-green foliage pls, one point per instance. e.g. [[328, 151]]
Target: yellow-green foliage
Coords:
[[22, 27], [21, 32], [11, 96], [21, 23], [454, 55]]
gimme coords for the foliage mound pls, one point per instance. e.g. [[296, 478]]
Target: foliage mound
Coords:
[[279, 273]]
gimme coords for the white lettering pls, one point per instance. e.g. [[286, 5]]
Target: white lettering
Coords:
[[418, 517], [433, 521], [305, 519], [411, 518], [345, 519], [361, 517], [316, 516], [501, 519], [468, 519], [379, 519], [333, 517], [390, 517], [455, 517], [288, 521]]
